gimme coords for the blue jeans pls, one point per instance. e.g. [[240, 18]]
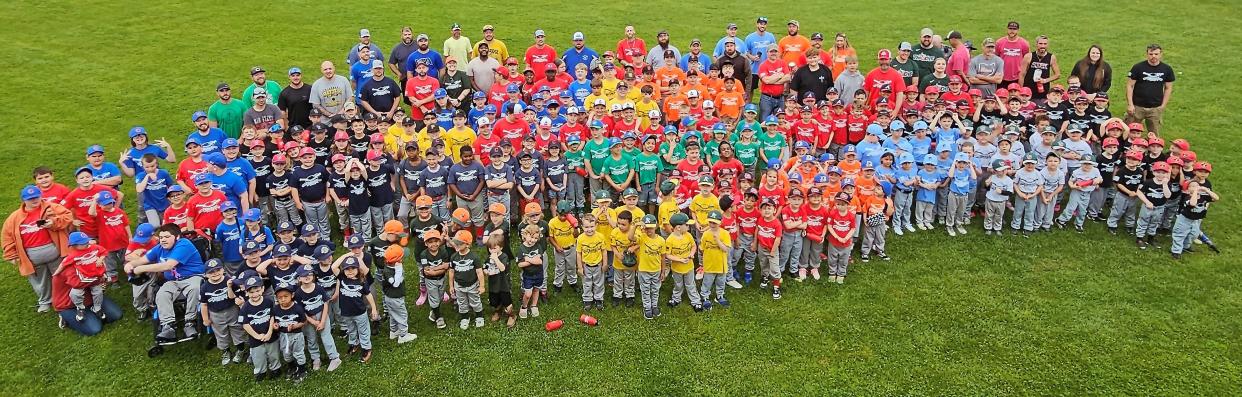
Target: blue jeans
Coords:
[[767, 105], [90, 324]]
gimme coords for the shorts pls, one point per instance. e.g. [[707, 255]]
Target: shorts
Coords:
[[499, 299], [532, 282]]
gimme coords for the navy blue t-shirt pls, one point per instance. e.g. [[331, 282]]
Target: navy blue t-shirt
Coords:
[[435, 182], [527, 180], [286, 277], [313, 301], [380, 184], [501, 173], [276, 182], [312, 183], [215, 295], [466, 177], [258, 316], [353, 296], [288, 317]]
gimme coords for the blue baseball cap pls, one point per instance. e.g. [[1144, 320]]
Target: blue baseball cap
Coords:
[[136, 131], [750, 108], [304, 270], [512, 88], [573, 139], [251, 247], [479, 95], [834, 170], [309, 228], [945, 148], [198, 114], [441, 93], [230, 142], [869, 165], [774, 163], [216, 159], [31, 192], [688, 121], [250, 280], [691, 134], [896, 125], [802, 145], [92, 149], [849, 149], [202, 179], [875, 129], [252, 215], [961, 157], [629, 135], [282, 250], [806, 158], [350, 262], [613, 142], [275, 128], [596, 124], [213, 264], [105, 198], [826, 157], [354, 241], [143, 233], [174, 189], [820, 178], [905, 158], [920, 125], [847, 182], [323, 252], [929, 159], [79, 238], [565, 95], [228, 206], [771, 120], [295, 70]]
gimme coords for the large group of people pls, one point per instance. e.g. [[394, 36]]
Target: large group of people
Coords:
[[516, 176]]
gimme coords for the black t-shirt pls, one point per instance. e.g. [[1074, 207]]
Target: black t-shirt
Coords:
[[411, 174], [464, 267], [215, 295], [527, 254], [1098, 117], [420, 226], [1057, 113], [262, 168], [1130, 178], [296, 104], [312, 183], [312, 301], [359, 197], [277, 182], [1107, 165], [498, 282], [380, 184], [381, 94], [815, 81], [282, 277], [288, 316], [1154, 192], [1082, 121], [259, 316], [326, 279], [990, 117], [323, 150], [353, 297], [1149, 83], [506, 237], [428, 259], [1017, 120], [1198, 211], [337, 183]]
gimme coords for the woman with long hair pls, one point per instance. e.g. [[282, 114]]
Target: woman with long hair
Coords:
[[1094, 73], [841, 49]]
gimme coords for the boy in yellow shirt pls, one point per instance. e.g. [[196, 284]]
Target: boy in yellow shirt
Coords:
[[716, 245], [562, 237], [668, 206], [680, 250], [460, 135], [592, 246], [649, 248], [624, 262], [399, 134]]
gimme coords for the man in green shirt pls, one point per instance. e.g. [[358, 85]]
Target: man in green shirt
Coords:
[[226, 113], [258, 78], [906, 66]]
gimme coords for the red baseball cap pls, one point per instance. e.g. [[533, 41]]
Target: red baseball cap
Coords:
[[290, 145], [1134, 155], [1002, 93], [1135, 126], [931, 89], [279, 159], [1013, 86], [1024, 91], [955, 79], [374, 154], [340, 136], [1174, 160], [913, 88], [1188, 156], [1160, 166], [1110, 141], [1203, 166], [338, 157], [306, 152], [884, 54], [975, 92], [1139, 142], [1115, 124], [256, 143], [1155, 142], [377, 138], [1181, 144]]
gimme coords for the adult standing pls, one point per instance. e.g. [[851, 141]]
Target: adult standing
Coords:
[[730, 34], [739, 60], [1148, 89], [294, 100], [986, 69], [926, 53], [182, 268], [1011, 49], [579, 54], [773, 74], [840, 51], [1038, 69], [1094, 74], [540, 54], [457, 46], [756, 43], [364, 41], [905, 65], [261, 116], [330, 92], [631, 48], [495, 47], [258, 79], [959, 61], [793, 45], [696, 53], [884, 76], [424, 54], [456, 83], [655, 57], [813, 78], [380, 94], [226, 113], [482, 69], [34, 238], [401, 52]]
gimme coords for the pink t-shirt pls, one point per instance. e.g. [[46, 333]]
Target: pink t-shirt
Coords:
[[1012, 52], [959, 62]]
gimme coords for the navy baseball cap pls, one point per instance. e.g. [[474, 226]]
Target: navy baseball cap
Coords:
[[213, 264], [309, 229], [305, 270], [355, 241], [31, 192], [350, 262], [251, 247], [282, 250], [323, 252], [284, 227]]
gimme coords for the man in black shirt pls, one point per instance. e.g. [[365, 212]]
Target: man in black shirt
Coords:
[[294, 100], [380, 94], [813, 78], [1149, 85]]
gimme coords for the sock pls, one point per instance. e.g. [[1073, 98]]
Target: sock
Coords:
[[478, 314], [435, 312]]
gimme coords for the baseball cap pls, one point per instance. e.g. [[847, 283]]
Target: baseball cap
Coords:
[[354, 241], [79, 238], [989, 42], [252, 215], [463, 237], [136, 131], [884, 54], [579, 36], [31, 192], [905, 46], [143, 233], [926, 32], [539, 33], [92, 149]]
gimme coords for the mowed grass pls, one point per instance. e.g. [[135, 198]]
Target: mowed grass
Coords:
[[1065, 314]]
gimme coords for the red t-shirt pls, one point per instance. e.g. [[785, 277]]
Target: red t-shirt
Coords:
[[746, 220], [497, 95], [778, 192], [113, 228], [729, 224], [419, 88], [767, 231], [177, 216], [54, 193], [33, 235], [788, 213], [690, 172], [631, 50], [816, 222], [60, 293], [730, 165], [878, 78], [83, 268], [804, 130], [78, 201], [135, 247], [843, 224], [205, 210], [514, 130], [555, 87], [855, 129], [620, 127], [483, 147], [770, 67], [188, 169], [572, 129], [538, 58]]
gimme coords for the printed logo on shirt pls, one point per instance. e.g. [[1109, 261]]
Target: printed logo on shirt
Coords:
[[311, 180], [1155, 77], [351, 290], [260, 317], [217, 295], [765, 232]]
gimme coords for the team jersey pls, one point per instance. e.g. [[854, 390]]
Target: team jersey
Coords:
[[591, 248], [767, 231], [714, 257], [680, 245]]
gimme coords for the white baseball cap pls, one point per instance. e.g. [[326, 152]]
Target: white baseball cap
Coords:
[[579, 36], [708, 104]]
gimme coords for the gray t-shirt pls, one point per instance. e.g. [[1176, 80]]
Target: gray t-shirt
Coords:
[[986, 66], [846, 84], [482, 73], [261, 119], [332, 93]]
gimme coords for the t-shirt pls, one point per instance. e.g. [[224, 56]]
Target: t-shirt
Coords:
[[1011, 53], [529, 254], [381, 94], [842, 224], [215, 295], [497, 279], [985, 66], [1154, 192], [680, 245], [228, 116], [258, 316], [428, 259], [186, 256], [295, 102], [205, 210], [1081, 176], [288, 316], [463, 267], [261, 119], [617, 169], [592, 248], [1027, 181], [331, 94], [1199, 210], [561, 232], [1149, 83], [650, 252], [715, 259], [312, 183], [482, 72], [466, 177], [353, 295], [311, 301]]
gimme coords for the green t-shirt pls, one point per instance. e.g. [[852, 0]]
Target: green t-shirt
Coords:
[[596, 152], [648, 166], [228, 116], [771, 145], [679, 153], [908, 70], [711, 152], [930, 79], [575, 160], [632, 153], [925, 58], [617, 169], [273, 92], [737, 131], [747, 153]]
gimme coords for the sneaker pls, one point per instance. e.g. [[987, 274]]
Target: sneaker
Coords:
[[440, 323], [840, 279], [1078, 228], [952, 233], [673, 303], [422, 296], [1141, 244], [407, 338], [801, 275], [80, 314], [700, 308], [1026, 234], [334, 364], [478, 322], [897, 231], [722, 302], [166, 334], [366, 356], [629, 302], [556, 288], [961, 230], [656, 310], [522, 313], [866, 257], [534, 311], [599, 305], [776, 293], [586, 306], [910, 228], [225, 357], [883, 256], [464, 324], [237, 356], [392, 335], [1177, 256], [648, 315], [1112, 230], [734, 284], [815, 273], [1060, 224], [315, 364], [832, 279], [764, 283], [925, 226]]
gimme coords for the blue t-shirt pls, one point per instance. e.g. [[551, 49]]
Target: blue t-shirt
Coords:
[[579, 91], [312, 183], [105, 171], [229, 237], [527, 180], [212, 142], [288, 317], [155, 195], [466, 177], [574, 57], [434, 62], [881, 174], [704, 60], [920, 148], [230, 184], [434, 183], [263, 237], [215, 295], [927, 177], [868, 151], [258, 316], [353, 296], [962, 182], [947, 139], [312, 301], [901, 144], [757, 44], [359, 73], [473, 117], [136, 154], [183, 252], [242, 168], [499, 172], [905, 178]]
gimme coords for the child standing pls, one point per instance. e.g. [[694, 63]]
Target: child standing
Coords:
[[876, 209], [813, 244], [962, 180], [794, 221], [392, 280], [356, 302], [1000, 186], [716, 246], [1127, 180], [1028, 186], [590, 259], [114, 232], [530, 261], [1082, 182], [434, 262], [680, 249], [220, 312], [499, 290], [903, 193], [289, 317], [747, 217], [928, 183], [768, 232], [1054, 183], [317, 332], [466, 281], [255, 316], [1154, 194], [85, 264], [840, 238], [562, 235], [649, 248], [624, 261]]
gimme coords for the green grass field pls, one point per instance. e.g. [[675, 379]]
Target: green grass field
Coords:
[[1065, 314]]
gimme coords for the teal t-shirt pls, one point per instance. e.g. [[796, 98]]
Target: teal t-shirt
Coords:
[[747, 153], [679, 153], [228, 116], [648, 166], [617, 169], [596, 152], [772, 145]]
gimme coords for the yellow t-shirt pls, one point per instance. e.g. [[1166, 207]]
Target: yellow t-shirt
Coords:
[[424, 139], [589, 102], [610, 87], [455, 139], [562, 232], [458, 48], [643, 109], [714, 258], [620, 243], [591, 248], [701, 205], [602, 225], [667, 209], [636, 214], [497, 48], [395, 138], [680, 246], [650, 252]]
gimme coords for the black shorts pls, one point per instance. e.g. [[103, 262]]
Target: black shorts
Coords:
[[499, 299]]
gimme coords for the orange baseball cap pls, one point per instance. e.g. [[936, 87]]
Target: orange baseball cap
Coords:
[[496, 208], [461, 215], [393, 254], [432, 234], [463, 237], [533, 208], [422, 201], [395, 227]]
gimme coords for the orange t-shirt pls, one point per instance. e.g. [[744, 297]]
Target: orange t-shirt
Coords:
[[668, 73], [729, 104], [837, 57], [850, 169], [672, 106], [793, 49]]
